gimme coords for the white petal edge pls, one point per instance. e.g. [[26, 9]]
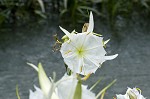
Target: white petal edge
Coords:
[[33, 66]]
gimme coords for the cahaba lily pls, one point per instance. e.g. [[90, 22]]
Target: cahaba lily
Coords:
[[68, 87], [134, 93], [84, 52]]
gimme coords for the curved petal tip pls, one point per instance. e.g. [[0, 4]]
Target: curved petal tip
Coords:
[[111, 57]]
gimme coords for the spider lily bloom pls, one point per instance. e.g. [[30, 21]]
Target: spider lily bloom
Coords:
[[84, 52], [48, 90], [37, 94], [65, 88], [134, 93]]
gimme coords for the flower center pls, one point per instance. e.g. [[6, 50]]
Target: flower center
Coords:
[[80, 52]]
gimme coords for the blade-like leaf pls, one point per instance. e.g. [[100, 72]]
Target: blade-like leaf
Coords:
[[40, 13], [17, 92], [94, 85], [104, 89], [103, 94]]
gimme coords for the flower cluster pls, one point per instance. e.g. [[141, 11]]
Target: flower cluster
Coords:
[[83, 54], [65, 88]]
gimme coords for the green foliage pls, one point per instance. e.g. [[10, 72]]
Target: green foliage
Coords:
[[124, 7], [102, 92], [12, 10], [75, 11], [17, 92]]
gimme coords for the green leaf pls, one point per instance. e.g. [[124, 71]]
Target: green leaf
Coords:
[[97, 82], [104, 89], [78, 91], [63, 12], [17, 92], [40, 14], [91, 9]]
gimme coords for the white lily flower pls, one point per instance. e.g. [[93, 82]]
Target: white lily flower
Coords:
[[63, 89], [48, 90], [131, 94], [84, 52], [67, 87], [37, 94]]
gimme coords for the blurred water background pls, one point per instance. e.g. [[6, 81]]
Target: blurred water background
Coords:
[[26, 35]]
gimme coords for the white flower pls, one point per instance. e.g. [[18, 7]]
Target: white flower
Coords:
[[67, 86], [48, 90], [84, 52], [63, 89], [37, 94], [131, 94]]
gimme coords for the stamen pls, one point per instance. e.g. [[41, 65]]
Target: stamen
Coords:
[[68, 51], [86, 77], [81, 68]]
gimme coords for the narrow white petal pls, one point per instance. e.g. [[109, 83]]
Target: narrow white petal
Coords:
[[91, 23], [33, 66], [105, 42], [65, 31], [111, 57]]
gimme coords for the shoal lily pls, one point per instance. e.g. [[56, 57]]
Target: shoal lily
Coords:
[[68, 87], [84, 52], [134, 93]]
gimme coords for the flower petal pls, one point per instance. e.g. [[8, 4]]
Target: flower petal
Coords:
[[91, 23], [121, 96], [86, 93], [74, 63], [44, 80], [33, 66], [65, 31], [92, 42], [67, 86], [105, 42], [37, 94], [111, 57]]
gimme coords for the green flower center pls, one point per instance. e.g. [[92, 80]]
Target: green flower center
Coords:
[[80, 52]]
